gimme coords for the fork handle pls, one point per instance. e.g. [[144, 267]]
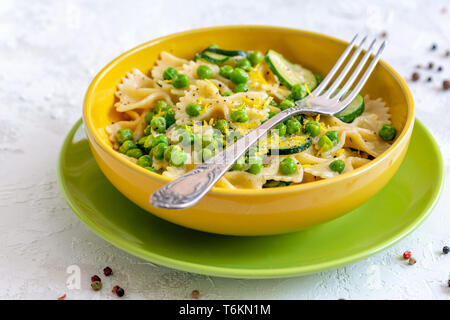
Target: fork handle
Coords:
[[188, 189]]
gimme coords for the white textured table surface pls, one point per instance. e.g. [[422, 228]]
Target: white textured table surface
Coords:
[[49, 52]]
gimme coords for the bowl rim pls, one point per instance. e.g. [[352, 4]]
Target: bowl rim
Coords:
[[94, 137]]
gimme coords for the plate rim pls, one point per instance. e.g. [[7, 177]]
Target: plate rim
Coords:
[[248, 273]]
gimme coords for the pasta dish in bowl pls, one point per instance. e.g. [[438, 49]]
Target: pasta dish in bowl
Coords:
[[161, 109]]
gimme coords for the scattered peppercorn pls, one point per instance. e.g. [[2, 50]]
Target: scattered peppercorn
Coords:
[[64, 296], [384, 34], [429, 79], [430, 65], [412, 261], [446, 84], [445, 249], [114, 289], [195, 294], [406, 255], [439, 69], [434, 46], [447, 53], [415, 76], [96, 285], [95, 278], [418, 66], [107, 271], [119, 291], [449, 283]]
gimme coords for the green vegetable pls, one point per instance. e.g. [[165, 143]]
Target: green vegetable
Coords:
[[226, 94], [204, 72], [177, 157], [168, 151], [158, 124], [333, 136], [325, 143], [273, 113], [148, 143], [134, 153], [239, 76], [298, 92], [186, 138], [145, 161], [238, 165], [352, 111], [140, 143], [292, 125], [161, 105], [212, 57], [255, 165], [288, 166], [180, 81], [387, 132], [282, 129], [239, 116], [159, 139], [158, 150], [337, 166], [123, 135], [291, 146], [275, 184], [241, 87], [255, 57], [170, 117], [169, 73], [286, 104], [193, 109], [288, 73], [221, 125], [313, 128], [151, 169], [148, 130], [226, 71], [206, 154], [148, 117], [318, 77], [244, 64], [229, 53], [127, 145]]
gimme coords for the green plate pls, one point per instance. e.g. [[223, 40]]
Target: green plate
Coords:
[[389, 216]]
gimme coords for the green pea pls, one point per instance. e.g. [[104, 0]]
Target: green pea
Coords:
[[226, 71], [207, 140], [123, 135], [313, 128], [158, 151], [387, 132], [239, 116], [292, 126], [145, 161], [193, 109], [298, 92], [288, 166], [238, 165], [255, 57], [168, 152], [286, 104], [178, 157], [169, 73], [244, 64], [226, 94], [337, 166], [141, 141], [207, 154], [151, 169], [318, 77], [221, 125], [272, 113], [282, 129], [233, 136], [127, 145], [148, 130], [333, 136], [161, 105], [239, 76], [241, 87], [325, 143], [186, 138], [148, 143], [170, 117], [204, 72], [134, 153], [148, 117], [159, 139], [180, 81], [255, 165], [158, 124]]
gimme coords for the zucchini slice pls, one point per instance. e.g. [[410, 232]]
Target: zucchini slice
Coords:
[[228, 53], [289, 73], [291, 145], [212, 57], [352, 111]]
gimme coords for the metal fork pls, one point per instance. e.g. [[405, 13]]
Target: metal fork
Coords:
[[188, 189]]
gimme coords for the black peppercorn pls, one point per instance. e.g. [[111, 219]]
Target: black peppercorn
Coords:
[[430, 65], [434, 46], [445, 249], [415, 76], [439, 69]]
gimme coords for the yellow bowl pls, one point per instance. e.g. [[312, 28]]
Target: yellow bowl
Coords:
[[239, 211]]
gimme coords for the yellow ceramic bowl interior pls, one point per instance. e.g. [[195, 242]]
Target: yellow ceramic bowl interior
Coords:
[[242, 211]]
